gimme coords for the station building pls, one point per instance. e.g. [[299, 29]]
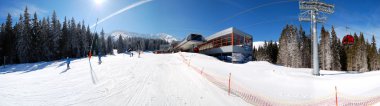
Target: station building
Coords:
[[230, 45]]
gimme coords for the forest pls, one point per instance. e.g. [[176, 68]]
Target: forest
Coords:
[[31, 39], [294, 50]]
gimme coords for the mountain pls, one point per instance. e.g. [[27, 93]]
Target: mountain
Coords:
[[169, 38]]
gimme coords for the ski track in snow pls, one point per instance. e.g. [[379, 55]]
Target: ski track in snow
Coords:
[[121, 80]]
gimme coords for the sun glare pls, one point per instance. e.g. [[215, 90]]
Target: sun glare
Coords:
[[98, 2]]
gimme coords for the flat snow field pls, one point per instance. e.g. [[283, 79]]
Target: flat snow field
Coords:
[[157, 80]]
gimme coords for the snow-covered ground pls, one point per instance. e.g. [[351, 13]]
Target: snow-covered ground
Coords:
[[165, 79], [278, 83], [157, 80]]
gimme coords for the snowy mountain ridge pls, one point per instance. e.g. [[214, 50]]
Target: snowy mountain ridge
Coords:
[[125, 34]]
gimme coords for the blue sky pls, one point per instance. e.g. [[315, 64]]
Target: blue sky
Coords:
[[264, 19]]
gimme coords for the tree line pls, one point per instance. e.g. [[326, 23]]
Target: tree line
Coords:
[[138, 44], [46, 39], [294, 50]]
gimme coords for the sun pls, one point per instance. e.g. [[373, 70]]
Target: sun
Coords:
[[99, 2]]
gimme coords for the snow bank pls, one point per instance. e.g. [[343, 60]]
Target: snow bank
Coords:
[[278, 84]]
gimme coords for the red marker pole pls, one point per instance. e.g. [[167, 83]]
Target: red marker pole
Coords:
[[336, 97], [229, 85]]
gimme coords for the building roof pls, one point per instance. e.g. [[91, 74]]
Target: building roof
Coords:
[[227, 31]]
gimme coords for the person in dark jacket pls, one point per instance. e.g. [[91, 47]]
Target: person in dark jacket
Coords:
[[68, 62]]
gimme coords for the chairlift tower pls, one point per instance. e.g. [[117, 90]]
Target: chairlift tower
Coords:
[[315, 12]]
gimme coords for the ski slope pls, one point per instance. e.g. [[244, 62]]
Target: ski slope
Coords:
[[120, 80], [167, 79]]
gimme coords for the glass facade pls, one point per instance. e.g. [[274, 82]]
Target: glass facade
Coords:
[[226, 40]]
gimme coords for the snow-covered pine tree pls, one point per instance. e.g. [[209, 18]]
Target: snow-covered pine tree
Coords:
[[325, 50], [283, 55], [361, 55], [294, 47], [335, 47], [305, 46], [372, 55]]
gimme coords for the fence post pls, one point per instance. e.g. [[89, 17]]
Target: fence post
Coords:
[[336, 97], [229, 85]]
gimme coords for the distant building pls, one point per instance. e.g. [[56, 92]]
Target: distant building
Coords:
[[165, 47], [189, 43], [230, 45]]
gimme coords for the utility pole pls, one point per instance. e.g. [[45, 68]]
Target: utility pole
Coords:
[[315, 12]]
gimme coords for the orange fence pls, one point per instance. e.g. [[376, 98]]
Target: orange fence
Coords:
[[255, 98]]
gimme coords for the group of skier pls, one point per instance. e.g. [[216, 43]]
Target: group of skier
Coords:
[[68, 60]]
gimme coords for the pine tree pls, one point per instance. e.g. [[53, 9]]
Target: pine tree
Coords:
[[343, 57], [24, 42], [56, 36], [283, 55], [109, 45], [325, 50], [84, 40], [63, 42], [9, 41], [305, 49], [335, 47], [36, 54], [95, 45], [361, 63], [2, 44], [372, 55], [89, 38], [120, 45], [46, 41], [102, 43]]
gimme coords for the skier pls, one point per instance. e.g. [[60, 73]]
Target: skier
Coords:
[[68, 62], [100, 57], [139, 54], [130, 52]]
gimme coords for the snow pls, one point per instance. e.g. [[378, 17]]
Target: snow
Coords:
[[280, 83], [120, 80], [164, 79]]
